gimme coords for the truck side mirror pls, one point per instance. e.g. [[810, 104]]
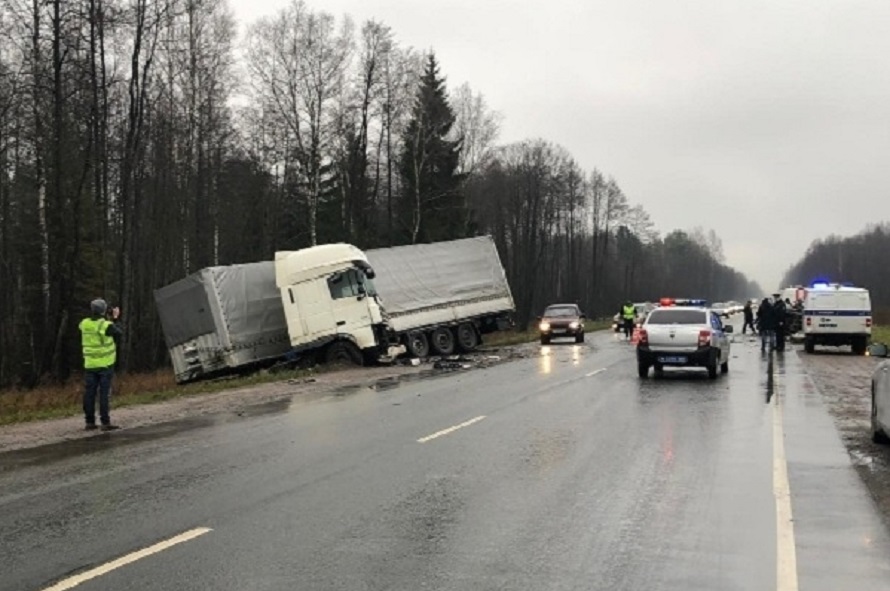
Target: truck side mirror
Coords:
[[362, 292]]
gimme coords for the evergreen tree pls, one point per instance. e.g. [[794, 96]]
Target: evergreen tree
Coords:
[[431, 206]]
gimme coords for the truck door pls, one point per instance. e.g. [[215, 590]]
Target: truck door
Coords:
[[349, 301]]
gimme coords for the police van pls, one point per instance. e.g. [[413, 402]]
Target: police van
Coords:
[[836, 315]]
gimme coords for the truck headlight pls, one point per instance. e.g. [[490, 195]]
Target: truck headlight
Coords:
[[544, 326]]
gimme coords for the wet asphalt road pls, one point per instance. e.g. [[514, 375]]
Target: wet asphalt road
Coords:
[[569, 473]]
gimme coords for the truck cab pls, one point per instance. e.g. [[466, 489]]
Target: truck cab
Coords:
[[330, 303]]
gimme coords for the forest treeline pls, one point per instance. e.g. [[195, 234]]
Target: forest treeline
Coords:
[[141, 140], [862, 259]]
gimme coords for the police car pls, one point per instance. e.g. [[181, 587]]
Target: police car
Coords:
[[683, 333], [836, 315]]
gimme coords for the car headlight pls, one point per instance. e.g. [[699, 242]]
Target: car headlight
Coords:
[[573, 325], [545, 326]]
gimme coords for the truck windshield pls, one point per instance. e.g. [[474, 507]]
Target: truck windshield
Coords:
[[677, 317]]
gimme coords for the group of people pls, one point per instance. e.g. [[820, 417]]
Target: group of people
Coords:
[[771, 323]]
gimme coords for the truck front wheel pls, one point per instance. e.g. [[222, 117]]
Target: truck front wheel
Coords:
[[343, 353]]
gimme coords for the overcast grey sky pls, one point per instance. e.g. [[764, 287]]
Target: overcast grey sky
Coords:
[[768, 121]]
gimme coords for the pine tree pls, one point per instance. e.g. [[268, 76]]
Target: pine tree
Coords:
[[431, 207]]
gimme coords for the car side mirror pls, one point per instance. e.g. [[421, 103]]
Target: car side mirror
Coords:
[[728, 329], [540, 318], [583, 317], [877, 350]]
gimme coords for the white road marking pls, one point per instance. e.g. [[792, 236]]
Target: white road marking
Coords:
[[450, 429], [106, 568], [593, 373], [786, 554]]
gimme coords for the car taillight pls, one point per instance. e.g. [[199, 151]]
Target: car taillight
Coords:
[[704, 338], [644, 337], [868, 322]]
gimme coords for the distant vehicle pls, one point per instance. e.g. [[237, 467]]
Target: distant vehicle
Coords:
[[642, 310], [561, 320], [880, 395], [837, 315], [683, 336]]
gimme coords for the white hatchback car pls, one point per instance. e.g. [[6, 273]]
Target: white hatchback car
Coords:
[[880, 396]]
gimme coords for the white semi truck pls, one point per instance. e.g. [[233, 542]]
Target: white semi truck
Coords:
[[335, 303]]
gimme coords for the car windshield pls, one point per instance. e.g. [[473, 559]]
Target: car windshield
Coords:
[[560, 312], [678, 317]]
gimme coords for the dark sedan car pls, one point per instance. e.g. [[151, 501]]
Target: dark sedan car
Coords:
[[561, 320]]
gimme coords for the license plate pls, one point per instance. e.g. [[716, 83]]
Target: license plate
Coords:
[[672, 359], [559, 331]]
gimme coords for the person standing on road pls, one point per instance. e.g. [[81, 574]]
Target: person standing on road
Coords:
[[99, 340], [749, 318], [780, 315], [766, 323], [628, 313]]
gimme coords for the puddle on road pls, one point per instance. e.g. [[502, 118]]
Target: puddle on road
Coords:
[[101, 442]]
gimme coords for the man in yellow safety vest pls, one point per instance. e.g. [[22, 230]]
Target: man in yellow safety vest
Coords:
[[629, 314], [99, 339]]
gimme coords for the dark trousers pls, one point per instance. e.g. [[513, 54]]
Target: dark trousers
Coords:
[[780, 338], [747, 324], [98, 381], [628, 327]]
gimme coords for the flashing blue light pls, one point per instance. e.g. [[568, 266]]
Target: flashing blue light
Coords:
[[820, 285]]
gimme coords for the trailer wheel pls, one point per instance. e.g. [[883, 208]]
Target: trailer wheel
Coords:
[[417, 345], [343, 353], [442, 341], [467, 337]]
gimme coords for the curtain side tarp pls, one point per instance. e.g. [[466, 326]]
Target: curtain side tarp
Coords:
[[251, 303], [424, 275]]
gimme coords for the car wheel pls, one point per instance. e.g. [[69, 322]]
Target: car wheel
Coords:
[[860, 344], [579, 338], [659, 370], [809, 344], [545, 340], [724, 367], [643, 370], [712, 368]]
